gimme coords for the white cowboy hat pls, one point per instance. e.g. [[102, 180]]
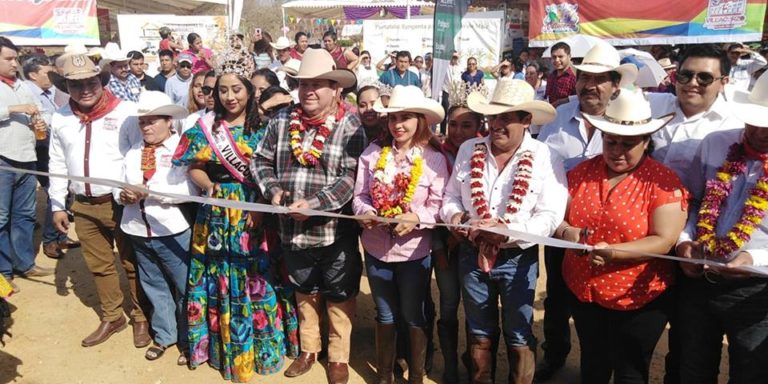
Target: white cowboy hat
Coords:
[[156, 103], [318, 64], [111, 53], [410, 98], [291, 67], [666, 63], [281, 43], [629, 114], [512, 95], [605, 58], [752, 107]]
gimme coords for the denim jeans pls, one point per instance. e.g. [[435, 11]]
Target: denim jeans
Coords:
[[163, 264], [449, 285], [736, 308], [512, 280], [17, 218], [400, 289], [50, 233]]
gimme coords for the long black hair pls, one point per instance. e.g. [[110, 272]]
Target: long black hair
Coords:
[[251, 108]]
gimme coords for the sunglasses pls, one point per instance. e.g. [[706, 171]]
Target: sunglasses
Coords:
[[702, 78], [206, 90], [185, 65]]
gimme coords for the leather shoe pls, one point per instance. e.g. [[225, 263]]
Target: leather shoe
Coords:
[[15, 288], [338, 373], [53, 250], [104, 331], [301, 365], [141, 334], [38, 271], [69, 244]]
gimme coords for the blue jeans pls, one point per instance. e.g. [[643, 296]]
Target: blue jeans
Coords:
[[50, 233], [400, 289], [163, 267], [736, 308], [512, 280], [17, 218], [449, 285]]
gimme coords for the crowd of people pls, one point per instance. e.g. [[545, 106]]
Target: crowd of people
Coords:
[[565, 148]]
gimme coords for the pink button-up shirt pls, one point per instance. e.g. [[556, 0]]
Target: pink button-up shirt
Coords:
[[425, 203]]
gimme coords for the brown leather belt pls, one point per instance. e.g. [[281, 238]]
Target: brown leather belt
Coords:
[[103, 199]]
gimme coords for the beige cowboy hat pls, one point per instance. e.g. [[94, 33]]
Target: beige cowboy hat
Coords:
[[75, 67], [75, 48], [666, 63], [605, 58], [410, 98], [112, 53], [156, 103], [318, 64], [281, 43], [512, 95], [629, 114], [752, 107], [291, 67]]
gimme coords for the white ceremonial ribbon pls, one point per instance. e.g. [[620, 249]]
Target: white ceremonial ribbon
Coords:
[[281, 210]]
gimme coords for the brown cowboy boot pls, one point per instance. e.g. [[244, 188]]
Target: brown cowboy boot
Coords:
[[522, 364], [480, 352], [385, 352], [418, 339]]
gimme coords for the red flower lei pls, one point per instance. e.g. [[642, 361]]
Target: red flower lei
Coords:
[[296, 128], [486, 258]]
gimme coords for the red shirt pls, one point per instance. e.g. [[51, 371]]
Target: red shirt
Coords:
[[560, 86], [620, 215]]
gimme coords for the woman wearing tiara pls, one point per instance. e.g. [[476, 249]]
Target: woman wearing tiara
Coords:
[[235, 320]]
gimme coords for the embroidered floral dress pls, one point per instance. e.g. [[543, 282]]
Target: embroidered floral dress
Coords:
[[236, 320]]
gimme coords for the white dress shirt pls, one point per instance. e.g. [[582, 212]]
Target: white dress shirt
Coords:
[[543, 207], [741, 73], [452, 75], [111, 138], [156, 216], [567, 136], [709, 157], [676, 143]]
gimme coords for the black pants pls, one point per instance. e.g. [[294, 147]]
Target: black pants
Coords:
[[618, 343], [736, 308], [557, 329]]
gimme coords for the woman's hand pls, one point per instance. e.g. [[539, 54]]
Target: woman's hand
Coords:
[[212, 189], [402, 229], [601, 255], [253, 220], [368, 221]]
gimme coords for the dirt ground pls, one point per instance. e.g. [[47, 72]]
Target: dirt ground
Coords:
[[51, 315]]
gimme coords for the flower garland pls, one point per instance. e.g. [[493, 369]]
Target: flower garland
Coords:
[[296, 128], [716, 192], [392, 191], [520, 183]]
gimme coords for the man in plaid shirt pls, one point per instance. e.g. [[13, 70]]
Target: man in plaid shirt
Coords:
[[123, 83], [322, 254], [561, 83]]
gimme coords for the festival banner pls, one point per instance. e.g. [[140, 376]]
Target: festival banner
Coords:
[[647, 22], [49, 22], [447, 24]]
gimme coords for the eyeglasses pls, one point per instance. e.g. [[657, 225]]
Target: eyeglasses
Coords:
[[702, 78], [206, 90], [185, 65]]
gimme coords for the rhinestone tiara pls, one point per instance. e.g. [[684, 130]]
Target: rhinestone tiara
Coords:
[[237, 61]]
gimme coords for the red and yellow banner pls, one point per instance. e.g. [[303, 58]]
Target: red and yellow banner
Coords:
[[647, 22], [49, 22]]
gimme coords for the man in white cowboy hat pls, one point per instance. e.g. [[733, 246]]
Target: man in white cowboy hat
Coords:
[[308, 160], [484, 191], [157, 226], [89, 137], [573, 138], [122, 83], [727, 300], [20, 117], [283, 48]]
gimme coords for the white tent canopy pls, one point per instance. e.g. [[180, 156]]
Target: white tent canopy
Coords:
[[333, 9]]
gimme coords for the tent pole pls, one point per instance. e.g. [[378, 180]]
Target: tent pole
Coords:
[[408, 9], [283, 9]]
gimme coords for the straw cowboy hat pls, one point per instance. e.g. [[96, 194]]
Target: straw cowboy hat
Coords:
[[410, 98], [629, 114], [75, 48], [156, 103], [604, 58], [291, 67], [318, 64], [112, 53], [752, 107], [75, 67], [282, 43], [512, 95], [666, 63]]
